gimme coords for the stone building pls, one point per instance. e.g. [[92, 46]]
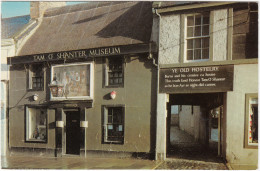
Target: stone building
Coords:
[[208, 72], [84, 83]]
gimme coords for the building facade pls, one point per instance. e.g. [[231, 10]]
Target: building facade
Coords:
[[208, 69], [84, 83]]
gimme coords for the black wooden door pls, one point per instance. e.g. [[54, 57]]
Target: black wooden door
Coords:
[[72, 132]]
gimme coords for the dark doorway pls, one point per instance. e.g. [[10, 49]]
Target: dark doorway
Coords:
[[72, 132], [194, 126]]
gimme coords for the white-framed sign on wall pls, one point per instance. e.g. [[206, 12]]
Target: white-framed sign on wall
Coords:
[[76, 79]]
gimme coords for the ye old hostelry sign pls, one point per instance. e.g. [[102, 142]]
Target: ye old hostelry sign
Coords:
[[196, 79]]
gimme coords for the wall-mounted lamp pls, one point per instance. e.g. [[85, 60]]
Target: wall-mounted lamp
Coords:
[[59, 124], [83, 124], [35, 97], [113, 95], [55, 88]]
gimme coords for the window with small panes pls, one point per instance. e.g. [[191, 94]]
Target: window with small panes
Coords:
[[197, 37], [115, 74]]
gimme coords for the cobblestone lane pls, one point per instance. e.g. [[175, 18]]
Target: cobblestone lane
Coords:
[[182, 164]]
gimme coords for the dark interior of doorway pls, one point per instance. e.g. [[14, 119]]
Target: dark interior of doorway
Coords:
[[194, 126], [72, 132]]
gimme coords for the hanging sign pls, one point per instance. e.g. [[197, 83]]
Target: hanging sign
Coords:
[[200, 79]]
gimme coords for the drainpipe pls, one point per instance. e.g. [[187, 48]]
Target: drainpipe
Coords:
[[6, 84], [155, 11]]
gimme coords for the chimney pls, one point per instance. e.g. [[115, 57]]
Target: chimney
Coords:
[[37, 8]]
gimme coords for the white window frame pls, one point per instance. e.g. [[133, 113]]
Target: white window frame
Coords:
[[185, 38], [249, 101], [29, 130], [90, 97]]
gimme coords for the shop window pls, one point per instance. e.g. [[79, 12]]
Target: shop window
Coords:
[[36, 77], [197, 37], [36, 124], [113, 125], [114, 71], [251, 131], [75, 81]]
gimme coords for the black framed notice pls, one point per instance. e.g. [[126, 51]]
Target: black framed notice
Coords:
[[199, 79]]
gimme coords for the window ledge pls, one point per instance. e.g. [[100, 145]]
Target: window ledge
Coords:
[[208, 63], [114, 86]]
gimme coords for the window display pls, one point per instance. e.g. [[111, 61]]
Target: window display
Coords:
[[36, 127]]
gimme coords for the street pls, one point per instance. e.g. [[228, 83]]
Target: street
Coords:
[[21, 162]]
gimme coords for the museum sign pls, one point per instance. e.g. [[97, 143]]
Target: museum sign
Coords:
[[86, 54], [200, 79]]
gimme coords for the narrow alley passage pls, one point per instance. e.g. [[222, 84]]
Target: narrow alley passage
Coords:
[[185, 153]]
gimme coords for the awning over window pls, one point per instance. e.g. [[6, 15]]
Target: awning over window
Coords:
[[91, 25]]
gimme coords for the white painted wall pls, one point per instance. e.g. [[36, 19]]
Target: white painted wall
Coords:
[[162, 100], [245, 81], [170, 33], [170, 37], [194, 124], [220, 31], [7, 50]]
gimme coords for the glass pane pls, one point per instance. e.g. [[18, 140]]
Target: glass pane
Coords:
[[116, 81], [197, 43], [120, 74], [190, 21], [190, 44], [205, 19], [111, 66], [254, 123], [110, 75], [115, 74], [197, 31], [111, 81], [205, 53], [36, 125], [120, 80], [190, 55], [205, 43], [198, 20], [205, 30], [197, 54], [190, 31], [109, 119]]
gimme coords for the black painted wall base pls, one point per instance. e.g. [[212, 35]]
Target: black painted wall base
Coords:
[[42, 152]]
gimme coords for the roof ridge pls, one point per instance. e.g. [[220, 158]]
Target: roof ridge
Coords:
[[15, 17], [80, 7]]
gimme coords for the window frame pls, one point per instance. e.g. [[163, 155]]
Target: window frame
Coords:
[[30, 78], [185, 38], [26, 121], [91, 84], [106, 71], [104, 124], [247, 109]]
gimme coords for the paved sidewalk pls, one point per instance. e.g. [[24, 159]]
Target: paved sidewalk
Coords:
[[21, 162], [183, 164]]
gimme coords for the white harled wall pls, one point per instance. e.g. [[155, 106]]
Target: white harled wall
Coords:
[[245, 81]]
